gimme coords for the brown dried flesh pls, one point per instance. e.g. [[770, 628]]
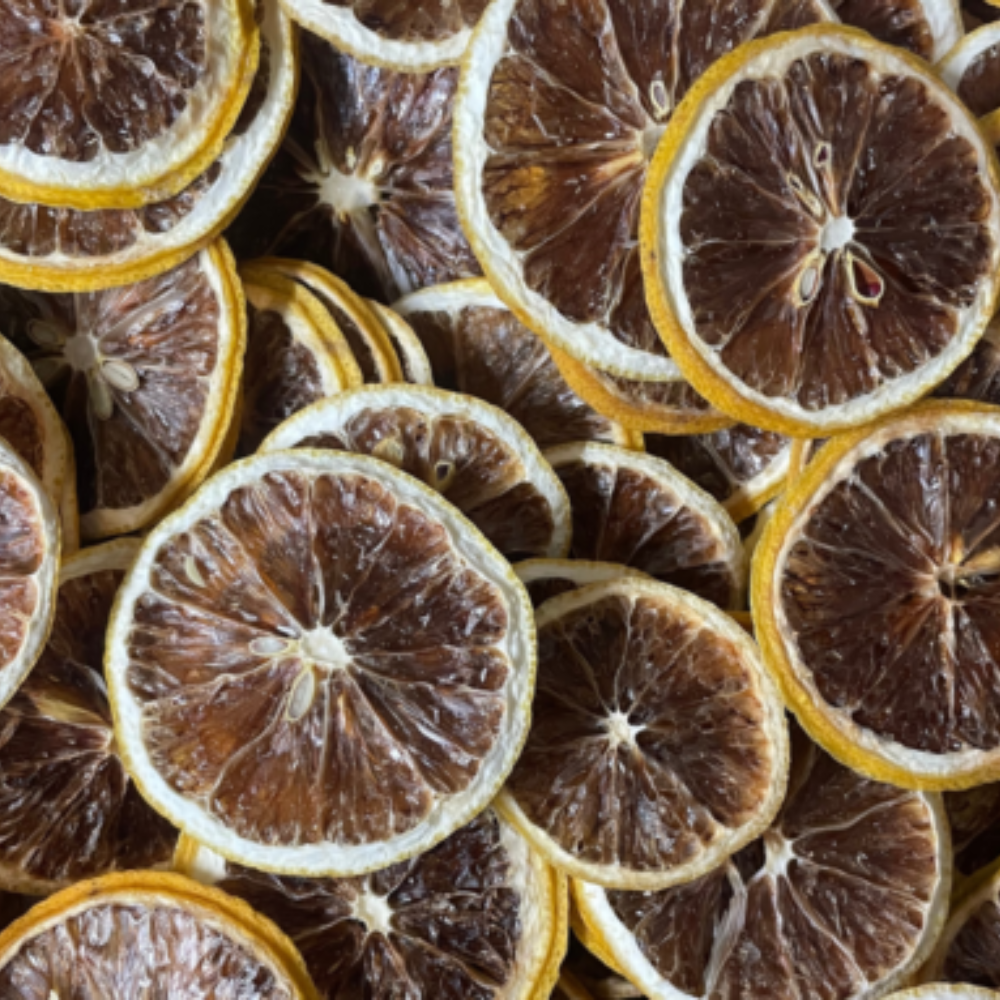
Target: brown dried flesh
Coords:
[[270, 736], [649, 742]]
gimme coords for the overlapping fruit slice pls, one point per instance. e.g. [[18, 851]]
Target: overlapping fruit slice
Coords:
[[974, 817], [472, 919], [69, 809], [29, 568], [145, 377], [972, 69], [295, 356], [638, 510], [820, 232], [659, 745], [545, 578], [30, 425], [945, 991], [742, 467], [363, 182], [671, 407], [978, 377], [319, 666], [369, 341], [928, 28], [842, 897], [968, 949], [413, 360], [411, 36], [874, 596], [113, 105], [560, 109], [585, 977], [471, 453], [66, 249], [478, 347], [141, 934]]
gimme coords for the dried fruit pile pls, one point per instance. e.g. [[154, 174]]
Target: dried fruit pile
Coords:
[[499, 500]]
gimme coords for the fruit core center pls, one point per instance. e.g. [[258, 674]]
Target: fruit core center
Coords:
[[81, 352], [325, 649], [836, 234], [374, 912], [347, 193], [777, 851], [620, 730]]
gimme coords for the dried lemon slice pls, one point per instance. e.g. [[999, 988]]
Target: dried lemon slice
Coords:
[[873, 596], [413, 360], [843, 896], [545, 578], [659, 745], [743, 467], [851, 286], [668, 407], [927, 28], [638, 510], [585, 977], [476, 916], [411, 36], [121, 936], [295, 356], [69, 809], [29, 569], [558, 113], [30, 425], [145, 376], [318, 665], [477, 346], [967, 950], [972, 69], [471, 453], [362, 184], [120, 107], [941, 991], [369, 341], [65, 249]]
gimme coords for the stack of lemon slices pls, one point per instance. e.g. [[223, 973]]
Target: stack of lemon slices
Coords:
[[500, 500]]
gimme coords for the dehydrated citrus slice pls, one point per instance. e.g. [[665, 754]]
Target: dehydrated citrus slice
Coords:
[[471, 453], [295, 356], [413, 360], [928, 28], [874, 591], [410, 36], [659, 744], [30, 425], [138, 934], [743, 467], [559, 111], [545, 578], [968, 949], [863, 263], [29, 568], [363, 182], [843, 896], [370, 343], [669, 407], [112, 106], [69, 809], [476, 346], [319, 666], [972, 69], [802, 452], [638, 510], [974, 817], [474, 917], [145, 376], [65, 249], [978, 377], [586, 977]]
